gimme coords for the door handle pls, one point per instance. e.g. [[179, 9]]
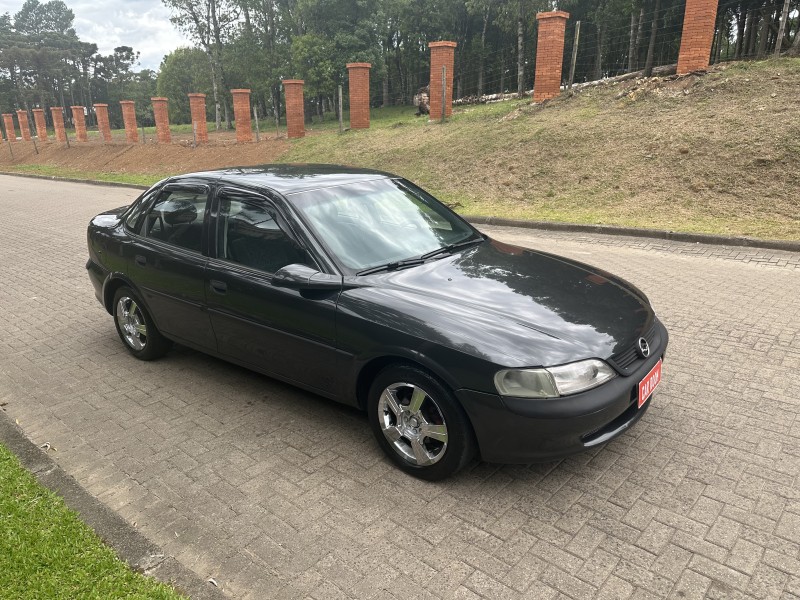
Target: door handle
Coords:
[[141, 260], [219, 286]]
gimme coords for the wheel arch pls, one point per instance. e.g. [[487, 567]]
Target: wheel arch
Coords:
[[370, 369], [110, 287]]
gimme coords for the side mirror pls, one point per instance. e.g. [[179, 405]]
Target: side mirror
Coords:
[[303, 277]]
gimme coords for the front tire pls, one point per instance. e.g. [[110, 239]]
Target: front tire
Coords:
[[135, 327], [419, 423]]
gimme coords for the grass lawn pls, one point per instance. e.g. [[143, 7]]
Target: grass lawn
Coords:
[[47, 552], [56, 171]]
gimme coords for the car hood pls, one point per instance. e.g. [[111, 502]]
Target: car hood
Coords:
[[517, 306]]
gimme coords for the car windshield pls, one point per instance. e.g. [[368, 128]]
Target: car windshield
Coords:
[[380, 222]]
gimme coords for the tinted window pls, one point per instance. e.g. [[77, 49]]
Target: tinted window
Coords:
[[177, 218], [249, 234], [133, 220]]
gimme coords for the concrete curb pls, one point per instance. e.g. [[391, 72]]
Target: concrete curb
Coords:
[[130, 545], [134, 186], [661, 234]]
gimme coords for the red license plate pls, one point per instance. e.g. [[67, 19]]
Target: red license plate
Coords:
[[649, 383]]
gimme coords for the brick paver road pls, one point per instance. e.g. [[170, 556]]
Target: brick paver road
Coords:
[[280, 494]]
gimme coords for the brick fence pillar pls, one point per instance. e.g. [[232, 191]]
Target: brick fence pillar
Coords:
[[103, 124], [79, 120], [549, 54], [295, 108], [698, 33], [241, 112], [8, 123], [197, 106], [24, 125], [41, 124], [358, 73], [129, 118], [58, 123], [442, 55], [161, 115]]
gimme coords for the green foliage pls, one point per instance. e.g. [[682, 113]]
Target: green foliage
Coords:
[[183, 71], [46, 551]]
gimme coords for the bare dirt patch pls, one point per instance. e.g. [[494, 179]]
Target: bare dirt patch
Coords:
[[146, 159]]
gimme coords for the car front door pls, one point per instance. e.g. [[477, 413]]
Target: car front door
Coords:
[[276, 330], [168, 263]]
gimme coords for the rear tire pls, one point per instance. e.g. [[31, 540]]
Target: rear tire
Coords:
[[419, 423], [135, 327]]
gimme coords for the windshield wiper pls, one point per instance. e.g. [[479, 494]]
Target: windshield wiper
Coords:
[[451, 247], [392, 266], [411, 262]]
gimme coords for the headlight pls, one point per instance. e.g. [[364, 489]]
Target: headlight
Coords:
[[553, 381]]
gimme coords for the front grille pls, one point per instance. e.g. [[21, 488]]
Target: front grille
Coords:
[[627, 360]]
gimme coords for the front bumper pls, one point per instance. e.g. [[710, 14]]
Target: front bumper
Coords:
[[522, 430]]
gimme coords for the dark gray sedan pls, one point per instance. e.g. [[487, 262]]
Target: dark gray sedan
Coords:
[[361, 287]]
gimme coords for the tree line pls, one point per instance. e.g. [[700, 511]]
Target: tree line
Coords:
[[44, 63], [257, 43]]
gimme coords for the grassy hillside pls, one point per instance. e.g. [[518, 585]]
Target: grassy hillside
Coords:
[[716, 153]]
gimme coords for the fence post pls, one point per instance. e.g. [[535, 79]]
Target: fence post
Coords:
[[255, 117], [444, 92], [341, 118], [574, 53]]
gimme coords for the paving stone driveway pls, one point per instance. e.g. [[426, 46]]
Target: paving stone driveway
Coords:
[[279, 494]]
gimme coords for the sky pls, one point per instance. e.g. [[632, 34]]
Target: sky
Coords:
[[141, 24]]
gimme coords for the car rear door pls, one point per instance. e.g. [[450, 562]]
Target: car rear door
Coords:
[[168, 263], [276, 330]]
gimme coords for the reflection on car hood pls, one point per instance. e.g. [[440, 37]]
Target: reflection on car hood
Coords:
[[518, 306]]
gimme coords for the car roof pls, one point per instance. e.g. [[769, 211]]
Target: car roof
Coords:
[[289, 178]]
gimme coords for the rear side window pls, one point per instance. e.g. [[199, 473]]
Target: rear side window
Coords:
[[177, 218]]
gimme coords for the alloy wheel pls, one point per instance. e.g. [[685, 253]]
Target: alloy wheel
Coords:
[[413, 423]]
